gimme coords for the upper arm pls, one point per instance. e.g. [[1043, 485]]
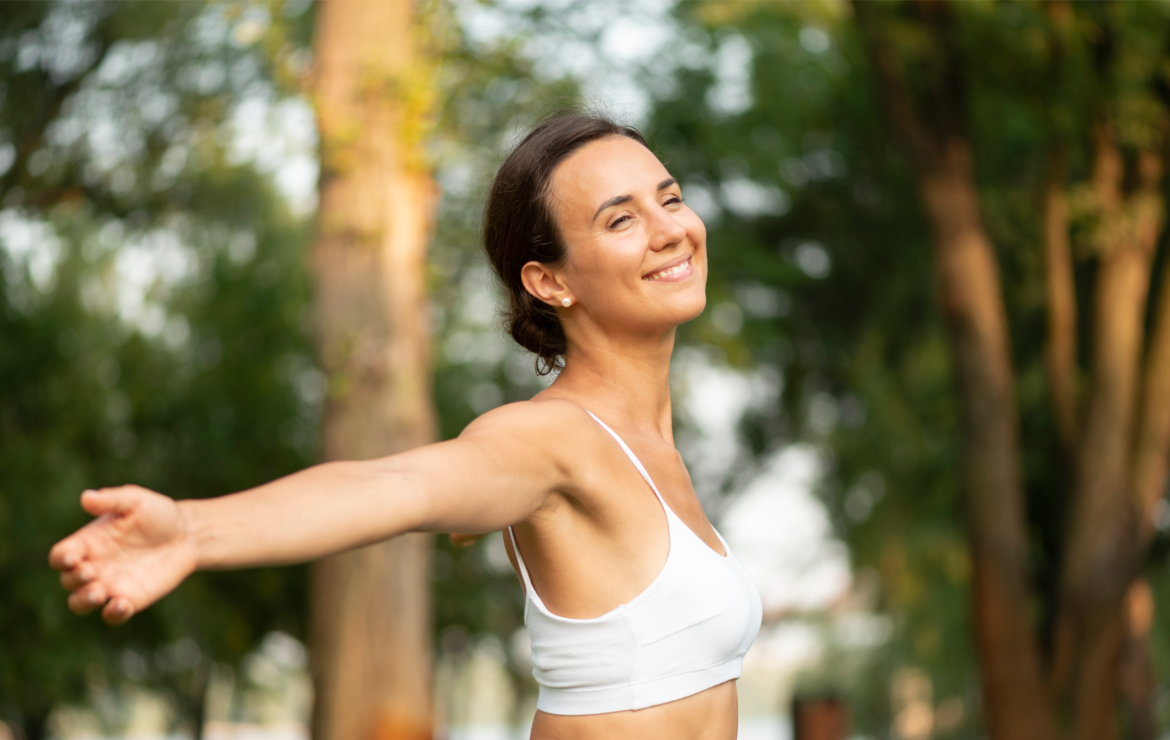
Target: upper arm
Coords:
[[502, 469]]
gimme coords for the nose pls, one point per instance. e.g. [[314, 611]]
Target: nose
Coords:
[[666, 230]]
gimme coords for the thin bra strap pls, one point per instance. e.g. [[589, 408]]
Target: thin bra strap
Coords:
[[520, 561], [630, 453], [529, 591]]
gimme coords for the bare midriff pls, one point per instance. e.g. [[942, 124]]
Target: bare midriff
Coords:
[[709, 715]]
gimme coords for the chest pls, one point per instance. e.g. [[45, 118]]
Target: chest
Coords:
[[668, 472]]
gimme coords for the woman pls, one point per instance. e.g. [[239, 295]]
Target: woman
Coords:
[[639, 615]]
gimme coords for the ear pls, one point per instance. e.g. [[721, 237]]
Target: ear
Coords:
[[543, 283]]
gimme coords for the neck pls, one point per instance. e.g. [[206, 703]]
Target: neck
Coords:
[[623, 382]]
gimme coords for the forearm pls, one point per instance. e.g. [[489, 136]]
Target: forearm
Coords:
[[316, 512]]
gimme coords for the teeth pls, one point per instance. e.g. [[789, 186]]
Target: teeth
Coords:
[[668, 272]]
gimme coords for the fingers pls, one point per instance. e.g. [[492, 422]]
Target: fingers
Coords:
[[88, 598], [78, 574], [117, 611], [71, 551], [75, 578], [67, 553], [117, 500]]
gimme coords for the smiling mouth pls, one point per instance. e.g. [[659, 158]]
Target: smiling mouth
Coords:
[[674, 272]]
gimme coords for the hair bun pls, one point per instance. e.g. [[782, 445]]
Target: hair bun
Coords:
[[536, 328]]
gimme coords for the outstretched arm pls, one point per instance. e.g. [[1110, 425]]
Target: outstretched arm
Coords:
[[142, 544]]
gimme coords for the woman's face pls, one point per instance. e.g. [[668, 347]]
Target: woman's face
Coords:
[[636, 257]]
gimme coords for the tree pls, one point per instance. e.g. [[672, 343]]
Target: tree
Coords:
[[373, 84], [1006, 453], [1120, 442], [969, 294]]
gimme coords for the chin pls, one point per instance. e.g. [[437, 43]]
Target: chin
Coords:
[[690, 310]]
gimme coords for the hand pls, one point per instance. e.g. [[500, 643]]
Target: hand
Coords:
[[135, 552]]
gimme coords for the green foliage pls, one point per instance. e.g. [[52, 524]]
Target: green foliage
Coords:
[[116, 168], [862, 349], [113, 148]]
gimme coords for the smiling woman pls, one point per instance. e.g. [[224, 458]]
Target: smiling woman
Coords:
[[639, 614], [531, 216]]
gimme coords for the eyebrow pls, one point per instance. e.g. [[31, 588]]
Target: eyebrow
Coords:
[[618, 200]]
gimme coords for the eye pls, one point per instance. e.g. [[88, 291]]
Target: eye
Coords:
[[673, 199], [617, 221]]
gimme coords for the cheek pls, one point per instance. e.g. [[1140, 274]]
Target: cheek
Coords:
[[618, 256], [596, 269], [696, 230]]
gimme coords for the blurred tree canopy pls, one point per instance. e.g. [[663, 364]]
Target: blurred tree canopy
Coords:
[[116, 151], [153, 307]]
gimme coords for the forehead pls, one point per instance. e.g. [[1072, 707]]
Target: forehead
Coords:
[[603, 169]]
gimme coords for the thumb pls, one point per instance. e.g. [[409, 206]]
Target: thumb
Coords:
[[107, 501]]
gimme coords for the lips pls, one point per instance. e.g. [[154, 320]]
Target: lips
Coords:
[[676, 269]]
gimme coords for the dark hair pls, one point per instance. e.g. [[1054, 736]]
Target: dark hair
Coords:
[[519, 226]]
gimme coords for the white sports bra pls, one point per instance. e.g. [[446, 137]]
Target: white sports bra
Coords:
[[688, 631]]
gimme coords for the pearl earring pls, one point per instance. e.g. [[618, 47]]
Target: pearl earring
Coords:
[[566, 302]]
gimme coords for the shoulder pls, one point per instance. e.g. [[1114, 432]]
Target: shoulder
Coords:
[[554, 428], [553, 417]]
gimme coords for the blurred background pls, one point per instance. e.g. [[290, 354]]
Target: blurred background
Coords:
[[928, 404]]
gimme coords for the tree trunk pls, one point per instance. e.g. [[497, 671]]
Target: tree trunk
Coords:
[[1016, 705], [1121, 447], [1014, 701], [371, 641], [1152, 455], [1102, 552], [1061, 348], [1137, 670]]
